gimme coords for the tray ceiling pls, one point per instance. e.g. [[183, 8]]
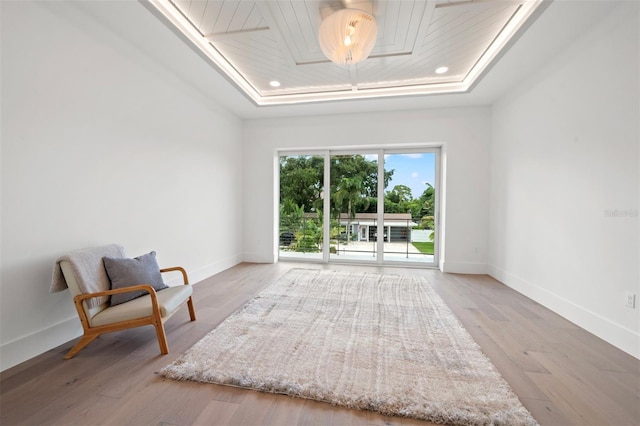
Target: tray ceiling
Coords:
[[257, 42]]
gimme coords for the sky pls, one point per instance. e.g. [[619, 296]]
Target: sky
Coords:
[[412, 170]]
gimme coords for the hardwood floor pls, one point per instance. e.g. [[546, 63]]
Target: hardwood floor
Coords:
[[561, 373]]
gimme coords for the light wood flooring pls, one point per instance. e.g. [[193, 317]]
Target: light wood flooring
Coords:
[[561, 373]]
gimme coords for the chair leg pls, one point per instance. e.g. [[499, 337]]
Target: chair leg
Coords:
[[192, 311], [84, 341], [162, 338]]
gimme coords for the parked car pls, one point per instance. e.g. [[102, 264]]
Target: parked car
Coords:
[[286, 238]]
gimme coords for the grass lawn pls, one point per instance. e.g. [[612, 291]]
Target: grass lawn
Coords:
[[425, 248]]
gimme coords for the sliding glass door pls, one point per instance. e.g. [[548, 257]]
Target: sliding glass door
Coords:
[[381, 206]]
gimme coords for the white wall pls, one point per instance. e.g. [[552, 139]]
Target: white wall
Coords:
[[464, 131], [101, 145], [564, 154]]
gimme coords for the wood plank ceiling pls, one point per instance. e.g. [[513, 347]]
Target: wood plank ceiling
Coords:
[[257, 42]]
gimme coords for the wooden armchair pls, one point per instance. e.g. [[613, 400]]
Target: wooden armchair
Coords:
[[84, 273]]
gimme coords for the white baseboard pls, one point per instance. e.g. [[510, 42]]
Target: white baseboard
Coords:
[[202, 273], [613, 333], [19, 350], [464, 267], [258, 257]]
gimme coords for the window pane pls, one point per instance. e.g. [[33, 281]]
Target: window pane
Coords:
[[301, 229], [354, 190], [409, 207]]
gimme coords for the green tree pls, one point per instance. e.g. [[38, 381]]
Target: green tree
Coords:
[[351, 166], [428, 199], [427, 222], [347, 193], [309, 237], [301, 180], [427, 208], [398, 199], [290, 216], [400, 194]]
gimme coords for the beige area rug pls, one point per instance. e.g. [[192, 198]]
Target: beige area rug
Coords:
[[386, 343]]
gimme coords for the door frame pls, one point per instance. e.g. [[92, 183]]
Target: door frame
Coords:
[[380, 151]]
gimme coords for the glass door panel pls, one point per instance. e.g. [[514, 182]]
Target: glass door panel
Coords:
[[354, 205], [410, 207], [301, 206]]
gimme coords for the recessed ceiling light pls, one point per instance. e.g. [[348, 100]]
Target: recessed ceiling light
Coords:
[[274, 83], [442, 70]]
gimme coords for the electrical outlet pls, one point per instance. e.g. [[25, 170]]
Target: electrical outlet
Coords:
[[631, 300]]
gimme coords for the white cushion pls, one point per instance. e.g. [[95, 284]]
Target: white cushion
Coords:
[[169, 300]]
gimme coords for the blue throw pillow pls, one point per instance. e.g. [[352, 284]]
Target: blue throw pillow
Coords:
[[124, 272]]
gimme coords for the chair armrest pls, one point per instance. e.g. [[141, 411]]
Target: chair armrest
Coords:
[[140, 287], [185, 278]]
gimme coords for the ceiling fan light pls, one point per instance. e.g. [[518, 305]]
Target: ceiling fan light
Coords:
[[348, 36]]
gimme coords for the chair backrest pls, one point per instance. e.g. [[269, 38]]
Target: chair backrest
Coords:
[[84, 272]]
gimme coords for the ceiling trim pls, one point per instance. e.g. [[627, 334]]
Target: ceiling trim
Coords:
[[203, 44]]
